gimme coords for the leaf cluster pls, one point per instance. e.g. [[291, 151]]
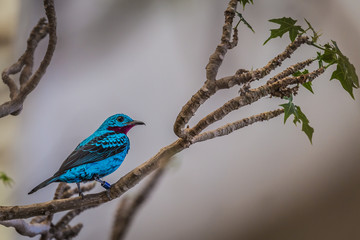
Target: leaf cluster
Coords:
[[330, 53], [345, 71], [299, 117]]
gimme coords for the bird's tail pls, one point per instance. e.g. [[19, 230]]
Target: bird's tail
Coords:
[[44, 184]]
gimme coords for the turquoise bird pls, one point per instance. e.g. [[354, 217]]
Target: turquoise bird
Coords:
[[97, 156]]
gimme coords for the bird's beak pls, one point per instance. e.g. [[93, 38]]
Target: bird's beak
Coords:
[[135, 122]]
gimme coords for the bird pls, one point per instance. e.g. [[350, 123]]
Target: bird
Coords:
[[97, 156]]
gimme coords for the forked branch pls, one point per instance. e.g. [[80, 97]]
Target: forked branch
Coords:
[[27, 80], [281, 85]]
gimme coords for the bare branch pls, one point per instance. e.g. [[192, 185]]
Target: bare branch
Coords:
[[230, 127], [217, 57], [242, 76], [290, 70], [62, 187], [251, 96], [68, 232], [26, 62], [189, 109], [215, 60]]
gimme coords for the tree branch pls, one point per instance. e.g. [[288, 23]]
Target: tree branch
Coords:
[[136, 175], [119, 188], [215, 60], [290, 70], [249, 97], [230, 127], [242, 76], [26, 62], [217, 57]]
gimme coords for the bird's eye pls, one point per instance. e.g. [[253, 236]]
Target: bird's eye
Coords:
[[120, 119]]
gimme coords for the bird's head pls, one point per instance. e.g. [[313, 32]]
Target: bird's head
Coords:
[[120, 123]]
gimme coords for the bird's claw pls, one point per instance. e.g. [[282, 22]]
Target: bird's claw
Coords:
[[104, 184], [81, 195]]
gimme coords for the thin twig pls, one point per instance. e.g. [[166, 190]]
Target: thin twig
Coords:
[[242, 76], [69, 232], [230, 127], [290, 70]]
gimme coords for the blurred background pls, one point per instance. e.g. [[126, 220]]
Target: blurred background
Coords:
[[146, 58]]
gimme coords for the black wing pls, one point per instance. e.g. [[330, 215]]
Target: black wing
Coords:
[[99, 148]]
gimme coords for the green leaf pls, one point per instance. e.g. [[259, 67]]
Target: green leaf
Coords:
[[289, 108], [299, 117], [286, 25], [242, 19], [329, 55], [244, 2], [308, 86], [345, 72], [305, 123], [7, 181], [299, 73]]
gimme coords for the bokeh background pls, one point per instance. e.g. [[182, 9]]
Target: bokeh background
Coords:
[[146, 58]]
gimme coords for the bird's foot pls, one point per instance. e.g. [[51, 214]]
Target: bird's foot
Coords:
[[104, 184], [80, 192]]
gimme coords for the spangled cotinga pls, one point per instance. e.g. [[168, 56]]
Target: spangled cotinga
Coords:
[[98, 155]]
